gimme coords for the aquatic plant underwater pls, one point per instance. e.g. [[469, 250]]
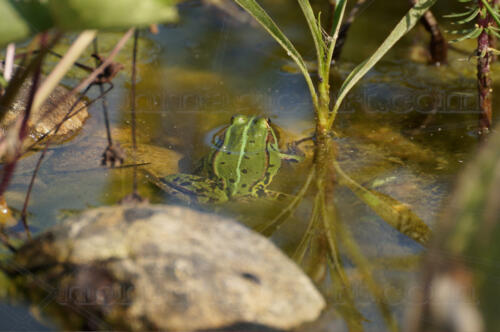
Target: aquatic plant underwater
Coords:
[[327, 241], [325, 169]]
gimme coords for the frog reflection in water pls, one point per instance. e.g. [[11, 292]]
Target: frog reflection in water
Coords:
[[243, 163]]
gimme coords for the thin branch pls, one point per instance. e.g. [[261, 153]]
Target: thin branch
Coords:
[[103, 100], [8, 169], [73, 53], [6, 242], [84, 83], [358, 8], [45, 135], [438, 47], [24, 212], [132, 109], [9, 61]]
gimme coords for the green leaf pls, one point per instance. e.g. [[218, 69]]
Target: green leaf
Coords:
[[493, 32], [315, 31], [21, 19], [469, 18], [471, 35], [254, 9], [405, 25], [460, 32], [336, 24], [455, 15], [104, 14], [393, 212]]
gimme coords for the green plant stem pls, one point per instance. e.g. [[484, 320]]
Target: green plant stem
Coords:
[[323, 109]]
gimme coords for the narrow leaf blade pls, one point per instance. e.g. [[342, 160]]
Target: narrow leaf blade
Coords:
[[315, 30], [405, 25]]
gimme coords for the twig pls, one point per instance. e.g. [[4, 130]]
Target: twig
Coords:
[[6, 242], [42, 137], [134, 197], [21, 75], [103, 101], [132, 109], [9, 61], [73, 53], [438, 46], [8, 169], [358, 8], [24, 212], [84, 83]]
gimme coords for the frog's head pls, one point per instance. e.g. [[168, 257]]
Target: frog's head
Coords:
[[258, 124], [239, 119]]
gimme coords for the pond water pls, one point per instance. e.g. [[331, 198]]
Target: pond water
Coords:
[[406, 130]]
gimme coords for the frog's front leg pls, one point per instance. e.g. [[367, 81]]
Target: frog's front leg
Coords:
[[278, 195], [193, 188], [291, 157]]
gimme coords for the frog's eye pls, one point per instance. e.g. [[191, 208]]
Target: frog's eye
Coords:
[[238, 119], [269, 120], [262, 122]]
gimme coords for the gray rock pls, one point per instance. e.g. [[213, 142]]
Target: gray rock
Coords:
[[166, 268]]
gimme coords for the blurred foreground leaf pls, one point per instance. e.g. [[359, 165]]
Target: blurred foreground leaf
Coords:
[[20, 19], [461, 267]]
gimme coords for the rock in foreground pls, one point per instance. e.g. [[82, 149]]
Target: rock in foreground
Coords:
[[163, 268]]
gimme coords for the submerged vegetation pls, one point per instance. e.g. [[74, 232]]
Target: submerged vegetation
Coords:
[[246, 154]]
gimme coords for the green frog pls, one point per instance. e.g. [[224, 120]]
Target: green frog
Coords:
[[242, 163]]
